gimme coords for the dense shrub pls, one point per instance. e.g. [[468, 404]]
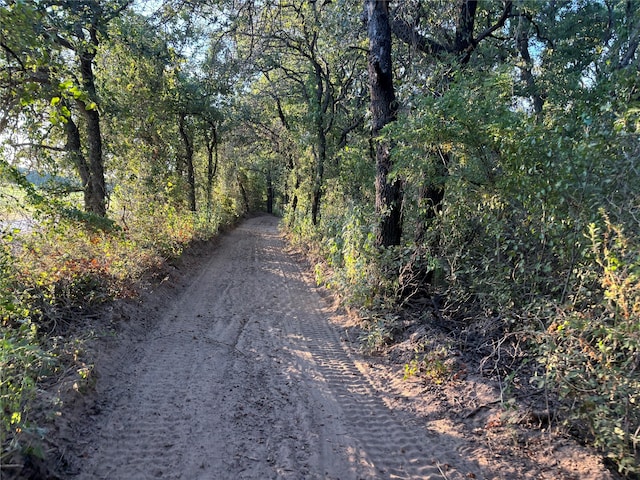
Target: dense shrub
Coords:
[[592, 351], [22, 361]]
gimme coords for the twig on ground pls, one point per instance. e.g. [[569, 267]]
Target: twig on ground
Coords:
[[444, 475], [480, 407]]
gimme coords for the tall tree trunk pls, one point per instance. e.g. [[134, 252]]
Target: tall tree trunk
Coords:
[[321, 156], [464, 29], [243, 193], [74, 150], [188, 161], [270, 192], [98, 192], [317, 184], [389, 194], [294, 200], [97, 195], [212, 166], [522, 42]]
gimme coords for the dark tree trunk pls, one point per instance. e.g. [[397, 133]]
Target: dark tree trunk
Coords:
[[98, 192], [212, 165], [322, 102], [188, 161], [317, 184], [97, 195], [389, 194], [464, 29], [294, 200], [315, 204], [522, 42], [243, 193], [269, 192]]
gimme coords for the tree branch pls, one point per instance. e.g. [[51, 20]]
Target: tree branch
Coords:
[[358, 121], [408, 34], [39, 145], [13, 54], [506, 13], [634, 40]]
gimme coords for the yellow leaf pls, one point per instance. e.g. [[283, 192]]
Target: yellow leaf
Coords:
[[16, 417]]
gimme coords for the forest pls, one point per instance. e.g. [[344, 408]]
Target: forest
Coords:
[[471, 163]]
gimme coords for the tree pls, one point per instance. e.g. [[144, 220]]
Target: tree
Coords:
[[186, 159], [76, 27], [384, 111], [309, 78], [212, 141]]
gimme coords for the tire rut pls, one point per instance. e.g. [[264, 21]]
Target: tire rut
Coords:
[[397, 445]]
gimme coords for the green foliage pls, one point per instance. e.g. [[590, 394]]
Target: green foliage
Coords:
[[521, 189], [61, 266], [434, 365], [592, 354], [378, 331], [349, 247], [22, 361]]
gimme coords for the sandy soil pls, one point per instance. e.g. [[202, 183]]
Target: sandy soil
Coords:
[[247, 371]]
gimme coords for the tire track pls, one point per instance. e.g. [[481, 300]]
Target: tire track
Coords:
[[397, 446]]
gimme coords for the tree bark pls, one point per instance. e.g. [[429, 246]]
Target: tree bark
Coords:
[[270, 191], [322, 103], [243, 193], [389, 194], [74, 151], [212, 165], [464, 42], [294, 200], [522, 43], [321, 158], [96, 196]]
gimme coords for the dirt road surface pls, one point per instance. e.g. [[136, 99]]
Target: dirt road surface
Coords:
[[244, 376]]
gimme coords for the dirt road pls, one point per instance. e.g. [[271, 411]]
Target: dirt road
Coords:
[[245, 377]]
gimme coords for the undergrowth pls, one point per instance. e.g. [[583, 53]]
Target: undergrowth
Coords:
[[22, 361], [54, 274], [591, 350]]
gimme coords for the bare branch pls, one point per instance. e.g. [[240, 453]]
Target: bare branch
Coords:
[[506, 13]]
